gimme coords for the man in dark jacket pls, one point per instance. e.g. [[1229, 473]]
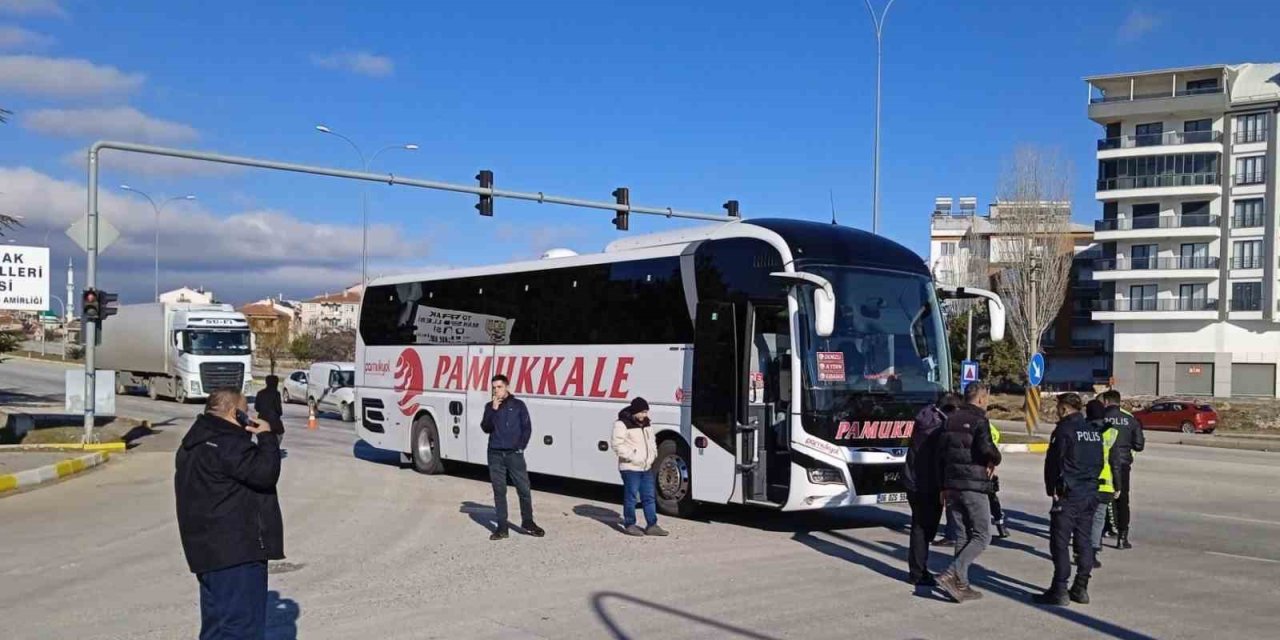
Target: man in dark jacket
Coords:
[[1129, 439], [923, 486], [506, 420], [269, 407], [1072, 468], [968, 458], [228, 514]]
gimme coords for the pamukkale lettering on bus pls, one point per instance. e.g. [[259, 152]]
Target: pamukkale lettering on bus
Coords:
[[583, 377]]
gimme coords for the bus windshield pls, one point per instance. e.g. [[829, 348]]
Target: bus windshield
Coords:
[[216, 343], [888, 338]]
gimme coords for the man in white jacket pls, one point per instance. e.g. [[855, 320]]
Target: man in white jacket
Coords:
[[637, 450]]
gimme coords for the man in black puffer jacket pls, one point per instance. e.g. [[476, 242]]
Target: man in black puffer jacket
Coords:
[[924, 484], [968, 458], [229, 515]]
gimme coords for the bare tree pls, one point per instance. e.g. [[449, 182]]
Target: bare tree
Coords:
[[4, 115], [968, 266], [1033, 247]]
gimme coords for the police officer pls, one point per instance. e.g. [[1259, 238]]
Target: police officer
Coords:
[[1071, 470], [1093, 412], [993, 498], [1129, 439]]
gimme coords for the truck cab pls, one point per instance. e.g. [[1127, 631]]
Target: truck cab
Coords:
[[331, 387], [211, 349]]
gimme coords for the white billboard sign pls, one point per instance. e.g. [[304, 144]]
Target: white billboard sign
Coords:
[[24, 278], [445, 326]]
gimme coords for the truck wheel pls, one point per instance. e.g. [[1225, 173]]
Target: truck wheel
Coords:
[[348, 412], [179, 392], [675, 495], [153, 391], [426, 447], [121, 389]]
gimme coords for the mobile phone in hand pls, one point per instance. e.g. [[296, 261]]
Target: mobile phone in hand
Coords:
[[243, 418]]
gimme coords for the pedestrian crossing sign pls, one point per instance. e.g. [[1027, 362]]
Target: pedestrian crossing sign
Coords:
[[968, 372]]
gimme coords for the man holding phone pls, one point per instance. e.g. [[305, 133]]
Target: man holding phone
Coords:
[[229, 515], [506, 420]]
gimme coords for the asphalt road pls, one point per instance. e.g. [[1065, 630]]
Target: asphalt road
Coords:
[[378, 551]]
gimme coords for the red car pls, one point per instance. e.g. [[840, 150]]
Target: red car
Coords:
[[1178, 415]]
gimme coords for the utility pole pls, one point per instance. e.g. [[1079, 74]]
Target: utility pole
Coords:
[[877, 21], [968, 344]]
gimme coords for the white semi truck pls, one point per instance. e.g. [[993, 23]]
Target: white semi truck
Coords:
[[177, 350]]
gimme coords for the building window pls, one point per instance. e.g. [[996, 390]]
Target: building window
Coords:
[[1251, 170], [1246, 296], [1145, 172], [1146, 216], [1143, 256], [1193, 297], [1247, 254], [1142, 297], [1194, 256], [948, 248], [1194, 131], [1146, 135], [1208, 85], [1251, 128], [1248, 213], [1195, 214]]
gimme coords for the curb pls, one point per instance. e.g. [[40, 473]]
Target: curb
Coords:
[[49, 473], [1034, 447], [109, 447]]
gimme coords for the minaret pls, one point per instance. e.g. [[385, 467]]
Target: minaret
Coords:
[[70, 303]]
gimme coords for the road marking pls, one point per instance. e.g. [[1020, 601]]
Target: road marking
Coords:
[[1211, 515], [1232, 555]]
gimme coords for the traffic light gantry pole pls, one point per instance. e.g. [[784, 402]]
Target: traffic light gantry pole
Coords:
[[621, 207]]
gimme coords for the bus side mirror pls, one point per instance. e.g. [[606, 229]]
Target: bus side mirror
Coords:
[[824, 311], [995, 310]]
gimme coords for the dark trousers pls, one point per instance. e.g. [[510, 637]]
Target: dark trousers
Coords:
[[1071, 522], [233, 602], [997, 512], [1121, 504], [926, 515], [507, 465]]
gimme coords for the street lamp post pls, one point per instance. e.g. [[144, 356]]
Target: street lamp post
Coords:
[[878, 22], [364, 196], [158, 208]]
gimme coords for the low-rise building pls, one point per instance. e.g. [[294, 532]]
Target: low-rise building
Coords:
[[271, 317], [331, 311], [187, 294]]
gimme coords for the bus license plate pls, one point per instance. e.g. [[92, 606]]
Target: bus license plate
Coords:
[[891, 497]]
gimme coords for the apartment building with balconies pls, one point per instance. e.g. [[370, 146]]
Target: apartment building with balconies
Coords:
[[1187, 174], [965, 249]]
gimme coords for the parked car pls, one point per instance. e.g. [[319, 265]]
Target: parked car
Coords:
[[331, 387], [1178, 415], [294, 387]]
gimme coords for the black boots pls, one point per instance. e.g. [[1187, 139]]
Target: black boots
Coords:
[[1122, 541], [1097, 557], [1079, 591], [1001, 530], [1056, 596]]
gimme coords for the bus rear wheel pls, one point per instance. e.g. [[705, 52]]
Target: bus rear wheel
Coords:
[[426, 447], [671, 471]]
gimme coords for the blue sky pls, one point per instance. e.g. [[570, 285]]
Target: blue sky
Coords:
[[688, 104]]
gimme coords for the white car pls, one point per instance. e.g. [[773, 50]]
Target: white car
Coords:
[[294, 387], [331, 386]]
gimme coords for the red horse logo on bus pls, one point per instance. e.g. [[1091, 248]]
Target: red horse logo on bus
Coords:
[[409, 379]]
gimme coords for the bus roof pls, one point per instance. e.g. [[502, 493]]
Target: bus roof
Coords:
[[809, 243]]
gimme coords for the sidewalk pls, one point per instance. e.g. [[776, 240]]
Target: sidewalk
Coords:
[[1221, 440], [26, 469]]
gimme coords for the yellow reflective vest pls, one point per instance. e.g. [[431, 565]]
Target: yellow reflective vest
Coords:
[[995, 434], [1106, 483]]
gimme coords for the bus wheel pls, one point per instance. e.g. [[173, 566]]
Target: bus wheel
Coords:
[[675, 498], [426, 447], [348, 412]]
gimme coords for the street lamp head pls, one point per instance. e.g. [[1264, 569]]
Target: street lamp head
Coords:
[[189, 196], [323, 129], [126, 187], [411, 147]]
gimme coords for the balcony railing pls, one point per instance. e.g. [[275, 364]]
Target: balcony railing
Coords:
[[1246, 262], [1162, 180], [1140, 264], [1248, 220], [1250, 178], [1159, 139], [1246, 304], [1255, 135], [1105, 99], [1157, 304], [1157, 222]]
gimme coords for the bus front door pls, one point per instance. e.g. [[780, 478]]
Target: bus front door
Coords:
[[763, 438]]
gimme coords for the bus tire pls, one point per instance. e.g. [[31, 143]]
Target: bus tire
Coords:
[[426, 446], [671, 481], [348, 412]]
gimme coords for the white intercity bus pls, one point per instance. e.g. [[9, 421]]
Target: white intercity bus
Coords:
[[784, 361]]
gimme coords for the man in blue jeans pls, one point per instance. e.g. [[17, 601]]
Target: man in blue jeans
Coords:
[[506, 420], [634, 444]]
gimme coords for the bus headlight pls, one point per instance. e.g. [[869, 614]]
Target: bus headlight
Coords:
[[825, 475]]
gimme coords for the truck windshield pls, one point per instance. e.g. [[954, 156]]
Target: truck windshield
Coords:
[[888, 339], [216, 343]]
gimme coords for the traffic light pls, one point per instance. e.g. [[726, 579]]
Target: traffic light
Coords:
[[623, 196], [981, 336], [107, 305], [485, 177], [89, 308], [732, 207]]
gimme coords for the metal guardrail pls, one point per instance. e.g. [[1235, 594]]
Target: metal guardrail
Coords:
[[1194, 220], [1141, 264], [1246, 262], [1250, 178], [1105, 99], [1157, 304], [1247, 304], [1247, 221], [1159, 139], [1245, 137], [1162, 180]]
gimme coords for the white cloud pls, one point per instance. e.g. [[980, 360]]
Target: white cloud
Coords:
[[64, 77], [1137, 24], [241, 256], [123, 123], [360, 62], [19, 38], [33, 8]]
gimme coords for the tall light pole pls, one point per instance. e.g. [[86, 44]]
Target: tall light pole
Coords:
[[877, 21], [364, 196], [158, 208]]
